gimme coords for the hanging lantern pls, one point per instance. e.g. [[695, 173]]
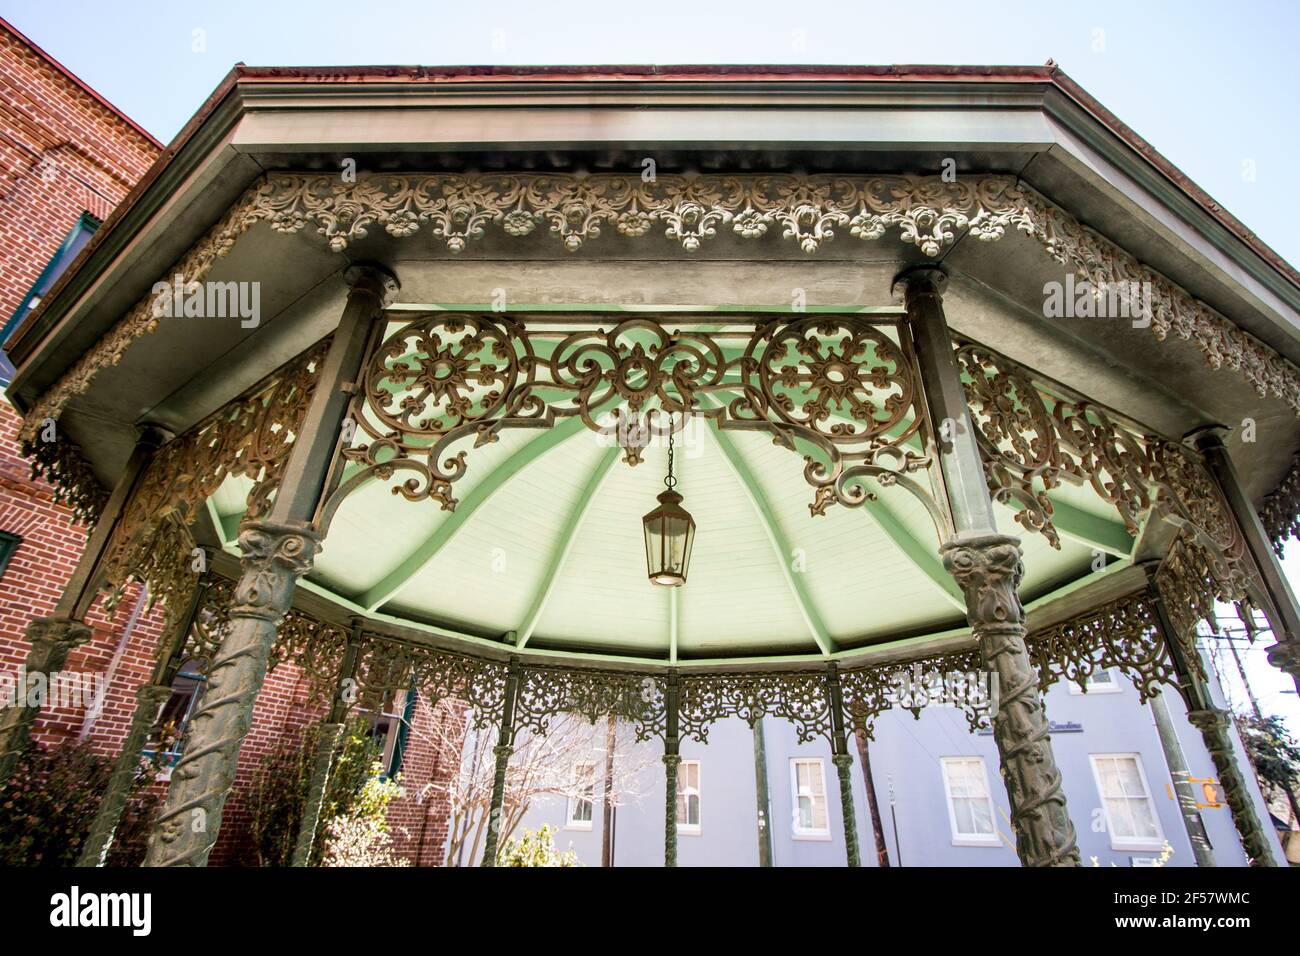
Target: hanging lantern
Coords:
[[669, 534]]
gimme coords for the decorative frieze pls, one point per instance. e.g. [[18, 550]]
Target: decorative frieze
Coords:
[[1123, 633], [1280, 511], [687, 210]]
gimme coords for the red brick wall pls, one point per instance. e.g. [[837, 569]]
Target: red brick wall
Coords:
[[62, 153]]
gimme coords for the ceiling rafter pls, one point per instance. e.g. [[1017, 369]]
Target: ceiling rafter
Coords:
[[392, 584], [564, 544], [780, 546]]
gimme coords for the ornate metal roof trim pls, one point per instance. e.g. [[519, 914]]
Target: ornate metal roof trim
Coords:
[[926, 211], [1280, 511]]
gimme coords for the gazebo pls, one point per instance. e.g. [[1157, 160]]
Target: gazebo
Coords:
[[383, 370]]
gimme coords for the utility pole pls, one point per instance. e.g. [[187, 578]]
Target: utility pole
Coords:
[[607, 834], [760, 788], [877, 828]]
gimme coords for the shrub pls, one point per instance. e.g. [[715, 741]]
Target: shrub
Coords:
[[535, 848], [50, 801], [359, 836], [278, 797]]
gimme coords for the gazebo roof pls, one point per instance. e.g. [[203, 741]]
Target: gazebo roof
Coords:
[[1069, 187]]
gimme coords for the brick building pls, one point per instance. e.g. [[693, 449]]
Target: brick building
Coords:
[[67, 158]]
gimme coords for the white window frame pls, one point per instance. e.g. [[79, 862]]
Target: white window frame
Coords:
[[1127, 842], [1114, 687], [822, 834], [573, 802], [969, 839], [692, 829]]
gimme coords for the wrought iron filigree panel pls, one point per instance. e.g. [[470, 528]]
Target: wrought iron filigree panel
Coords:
[[911, 685], [1124, 633], [250, 437], [1033, 436], [844, 386], [386, 666], [546, 692], [801, 698]]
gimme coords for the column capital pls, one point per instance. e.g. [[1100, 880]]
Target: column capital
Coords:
[[56, 631], [916, 281], [988, 569], [1208, 719], [371, 278], [275, 556]]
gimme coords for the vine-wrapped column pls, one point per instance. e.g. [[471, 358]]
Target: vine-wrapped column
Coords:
[[843, 762], [987, 567], [276, 553], [988, 571], [326, 747], [672, 760], [501, 757], [1213, 723], [1283, 610], [54, 637], [150, 699]]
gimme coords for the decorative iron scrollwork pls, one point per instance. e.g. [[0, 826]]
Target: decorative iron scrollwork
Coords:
[[808, 210], [800, 697], [1280, 511], [386, 666], [250, 437], [956, 679], [546, 692], [841, 384], [1124, 633]]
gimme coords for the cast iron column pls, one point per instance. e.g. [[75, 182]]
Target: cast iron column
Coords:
[[150, 699], [1284, 612], [276, 553], [672, 760], [330, 732], [501, 752], [1213, 723], [54, 637], [986, 565], [843, 761]]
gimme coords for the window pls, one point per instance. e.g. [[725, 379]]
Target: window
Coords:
[[970, 811], [808, 782], [582, 800], [1130, 814], [1102, 681], [174, 718], [389, 730], [8, 545], [72, 244], [688, 797]]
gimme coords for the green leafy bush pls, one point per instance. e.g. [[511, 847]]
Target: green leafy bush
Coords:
[[535, 848], [359, 836], [48, 804], [278, 797]]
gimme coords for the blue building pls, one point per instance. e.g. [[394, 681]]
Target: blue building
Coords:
[[939, 799]]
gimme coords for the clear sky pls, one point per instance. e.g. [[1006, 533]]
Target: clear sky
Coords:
[[1211, 85]]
